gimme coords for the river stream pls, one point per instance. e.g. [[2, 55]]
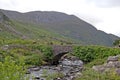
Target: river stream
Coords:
[[67, 69]]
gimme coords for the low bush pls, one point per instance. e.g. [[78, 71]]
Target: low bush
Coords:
[[34, 59], [90, 53], [45, 50]]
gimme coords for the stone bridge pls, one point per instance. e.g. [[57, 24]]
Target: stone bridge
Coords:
[[59, 51]]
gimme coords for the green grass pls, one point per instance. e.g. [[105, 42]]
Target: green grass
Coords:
[[33, 31], [17, 30], [34, 53], [9, 70], [90, 74]]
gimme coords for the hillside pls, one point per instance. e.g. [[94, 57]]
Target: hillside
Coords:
[[59, 26], [11, 30]]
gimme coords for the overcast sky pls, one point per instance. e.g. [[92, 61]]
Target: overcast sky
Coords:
[[103, 14]]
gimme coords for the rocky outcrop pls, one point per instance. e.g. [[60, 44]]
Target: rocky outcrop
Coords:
[[112, 63], [71, 67], [112, 59]]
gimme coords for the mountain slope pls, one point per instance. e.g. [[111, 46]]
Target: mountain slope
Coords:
[[16, 30], [6, 30], [68, 26]]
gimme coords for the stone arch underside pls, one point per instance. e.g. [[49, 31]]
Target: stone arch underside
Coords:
[[56, 58]]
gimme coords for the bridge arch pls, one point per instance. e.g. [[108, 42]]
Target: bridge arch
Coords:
[[58, 52], [56, 58]]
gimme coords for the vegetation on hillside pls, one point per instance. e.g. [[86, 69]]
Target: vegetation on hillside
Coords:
[[55, 25]]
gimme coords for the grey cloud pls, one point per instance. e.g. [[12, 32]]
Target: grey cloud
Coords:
[[105, 3]]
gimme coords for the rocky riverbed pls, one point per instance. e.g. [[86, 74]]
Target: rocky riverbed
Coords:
[[70, 68], [67, 69]]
